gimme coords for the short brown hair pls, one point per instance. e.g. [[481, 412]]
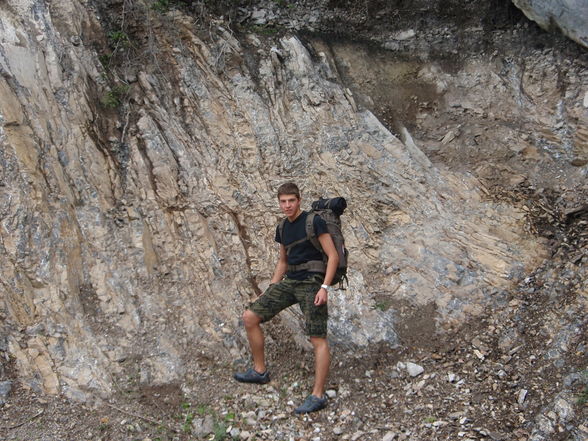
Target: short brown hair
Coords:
[[288, 188]]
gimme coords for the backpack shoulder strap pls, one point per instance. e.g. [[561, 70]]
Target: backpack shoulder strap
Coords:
[[310, 235], [281, 229], [293, 244]]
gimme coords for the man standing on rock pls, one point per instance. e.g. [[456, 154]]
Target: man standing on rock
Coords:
[[293, 282]]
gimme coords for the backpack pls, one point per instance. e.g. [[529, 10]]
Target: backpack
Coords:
[[330, 210]]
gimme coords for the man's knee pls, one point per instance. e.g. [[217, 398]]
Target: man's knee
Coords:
[[319, 342], [251, 319]]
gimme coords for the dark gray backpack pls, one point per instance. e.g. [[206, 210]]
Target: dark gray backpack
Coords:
[[330, 210]]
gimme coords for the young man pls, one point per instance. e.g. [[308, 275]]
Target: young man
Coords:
[[293, 282]]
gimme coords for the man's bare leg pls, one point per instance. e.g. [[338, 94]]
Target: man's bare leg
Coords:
[[322, 361], [256, 339]]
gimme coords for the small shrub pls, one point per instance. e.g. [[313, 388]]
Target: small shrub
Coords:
[[202, 410], [161, 6], [583, 397], [114, 97], [105, 60], [382, 306], [230, 417], [264, 30], [118, 38], [220, 432]]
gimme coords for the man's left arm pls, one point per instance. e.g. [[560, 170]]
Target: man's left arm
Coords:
[[333, 260]]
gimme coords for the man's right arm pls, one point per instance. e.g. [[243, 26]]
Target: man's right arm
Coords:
[[281, 266]]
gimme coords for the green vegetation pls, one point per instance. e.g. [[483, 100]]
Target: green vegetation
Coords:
[[220, 431], [264, 29], [203, 410], [382, 305], [105, 60], [115, 96], [230, 417], [219, 426], [118, 38], [283, 3], [160, 6], [164, 6], [583, 398]]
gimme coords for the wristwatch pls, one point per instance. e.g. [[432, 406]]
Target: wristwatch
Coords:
[[325, 287]]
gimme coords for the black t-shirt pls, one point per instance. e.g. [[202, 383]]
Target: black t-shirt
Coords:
[[304, 251]]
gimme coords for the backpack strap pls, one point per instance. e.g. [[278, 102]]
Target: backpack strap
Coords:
[[318, 266], [281, 230], [314, 266], [310, 231]]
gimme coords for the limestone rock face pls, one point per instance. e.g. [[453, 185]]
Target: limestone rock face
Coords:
[[133, 238], [570, 16]]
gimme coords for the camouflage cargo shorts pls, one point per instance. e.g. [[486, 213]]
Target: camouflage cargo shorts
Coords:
[[287, 292]]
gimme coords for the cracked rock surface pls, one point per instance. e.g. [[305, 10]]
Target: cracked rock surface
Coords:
[[141, 144]]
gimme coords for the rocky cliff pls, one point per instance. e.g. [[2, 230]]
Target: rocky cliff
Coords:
[[142, 145], [570, 17]]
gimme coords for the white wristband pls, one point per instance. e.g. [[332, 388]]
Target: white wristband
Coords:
[[325, 287]]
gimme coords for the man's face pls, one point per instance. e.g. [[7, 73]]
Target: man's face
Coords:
[[290, 205]]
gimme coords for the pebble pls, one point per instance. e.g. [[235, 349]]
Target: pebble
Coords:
[[331, 393], [522, 396], [413, 369], [405, 35], [389, 436], [357, 435], [5, 389]]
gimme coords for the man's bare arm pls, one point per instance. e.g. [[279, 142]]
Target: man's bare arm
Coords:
[[333, 261]]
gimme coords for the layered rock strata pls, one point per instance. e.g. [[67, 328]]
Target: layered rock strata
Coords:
[[138, 213]]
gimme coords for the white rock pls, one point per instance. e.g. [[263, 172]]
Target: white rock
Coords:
[[564, 409], [258, 14], [389, 436], [357, 435], [449, 136], [522, 396], [405, 35], [586, 99], [413, 369], [331, 393]]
